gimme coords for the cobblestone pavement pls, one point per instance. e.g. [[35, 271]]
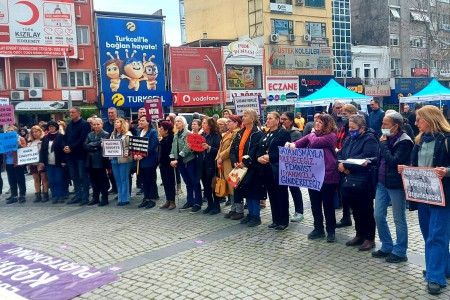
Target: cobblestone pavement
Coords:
[[176, 255]]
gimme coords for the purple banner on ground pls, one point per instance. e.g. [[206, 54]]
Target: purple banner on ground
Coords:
[[38, 276], [301, 167]]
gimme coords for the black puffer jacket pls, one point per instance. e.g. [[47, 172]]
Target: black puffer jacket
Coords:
[[399, 155]]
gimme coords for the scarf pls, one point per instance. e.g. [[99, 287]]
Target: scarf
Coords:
[[426, 138], [393, 139], [52, 137]]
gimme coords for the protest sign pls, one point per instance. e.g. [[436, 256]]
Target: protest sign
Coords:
[[8, 141], [138, 145], [242, 103], [4, 101], [195, 142], [27, 155], [6, 114], [31, 274], [301, 167], [153, 108], [423, 185], [112, 148]]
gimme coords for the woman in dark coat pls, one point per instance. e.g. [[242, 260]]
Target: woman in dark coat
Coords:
[[208, 158], [356, 185], [167, 172], [243, 154], [268, 157], [432, 150], [96, 163]]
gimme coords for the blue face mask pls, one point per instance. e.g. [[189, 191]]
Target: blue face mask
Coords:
[[354, 133]]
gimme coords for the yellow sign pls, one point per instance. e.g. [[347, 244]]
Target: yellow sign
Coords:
[[118, 99]]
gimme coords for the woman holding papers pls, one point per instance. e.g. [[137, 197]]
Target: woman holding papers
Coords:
[[356, 184], [395, 149], [323, 137], [432, 149]]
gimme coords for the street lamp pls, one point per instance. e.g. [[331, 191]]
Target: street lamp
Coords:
[[219, 75], [66, 60]]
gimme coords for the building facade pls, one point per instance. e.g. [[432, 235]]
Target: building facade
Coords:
[[342, 38]]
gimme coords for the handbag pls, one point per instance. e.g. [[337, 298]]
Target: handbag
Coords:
[[236, 175], [221, 188], [353, 184]]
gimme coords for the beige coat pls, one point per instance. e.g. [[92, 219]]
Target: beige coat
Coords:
[[224, 154], [126, 148]]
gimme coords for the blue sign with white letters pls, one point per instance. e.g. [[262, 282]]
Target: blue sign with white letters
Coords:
[[131, 62], [8, 142]]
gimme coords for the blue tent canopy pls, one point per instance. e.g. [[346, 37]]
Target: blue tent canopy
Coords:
[[331, 93], [434, 91]]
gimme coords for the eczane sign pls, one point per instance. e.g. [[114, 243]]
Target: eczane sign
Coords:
[[282, 90]]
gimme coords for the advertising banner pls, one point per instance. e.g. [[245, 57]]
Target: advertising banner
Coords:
[[302, 167], [311, 84], [195, 98], [131, 61], [8, 141], [27, 155], [36, 28], [377, 90], [423, 185], [242, 103], [153, 109], [112, 148], [6, 114], [300, 60], [40, 105], [32, 274], [282, 90]]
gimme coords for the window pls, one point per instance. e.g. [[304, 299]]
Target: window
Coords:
[[77, 79], [2, 84], [83, 35], [26, 79], [315, 3], [358, 72], [281, 1], [433, 64], [420, 16], [444, 22], [393, 40], [417, 42], [417, 63], [316, 29], [395, 63], [395, 14], [366, 73], [375, 72], [283, 27]]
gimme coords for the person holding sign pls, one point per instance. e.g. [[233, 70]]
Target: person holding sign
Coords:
[[121, 166], [186, 161], [39, 174], [267, 157], [96, 163], [147, 164], [395, 149], [243, 155], [53, 159], [323, 137], [356, 184], [15, 172], [432, 149]]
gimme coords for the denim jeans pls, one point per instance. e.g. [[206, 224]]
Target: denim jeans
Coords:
[[253, 207], [56, 181], [193, 189], [80, 178], [383, 197], [122, 176], [434, 223]]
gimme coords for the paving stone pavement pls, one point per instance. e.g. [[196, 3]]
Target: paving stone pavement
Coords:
[[176, 255]]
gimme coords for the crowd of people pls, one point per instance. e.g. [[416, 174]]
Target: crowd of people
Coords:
[[387, 141]]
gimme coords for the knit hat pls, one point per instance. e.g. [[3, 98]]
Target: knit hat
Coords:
[[53, 123]]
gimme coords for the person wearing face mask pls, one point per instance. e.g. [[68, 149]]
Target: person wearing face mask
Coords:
[[395, 149], [356, 184]]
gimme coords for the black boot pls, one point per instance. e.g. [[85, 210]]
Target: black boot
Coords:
[[37, 198], [216, 207], [11, 200], [210, 206], [46, 198], [22, 199], [144, 203]]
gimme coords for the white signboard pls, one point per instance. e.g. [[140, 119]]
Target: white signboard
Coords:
[[282, 90], [243, 48], [112, 148], [4, 101], [281, 8], [36, 28], [27, 155], [41, 105], [76, 95], [242, 103]]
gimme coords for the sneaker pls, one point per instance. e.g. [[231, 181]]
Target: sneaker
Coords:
[[331, 237], [433, 288], [316, 234], [22, 199], [11, 200], [195, 209], [380, 254], [144, 203], [186, 206], [150, 204], [246, 219], [344, 223], [254, 221], [392, 258], [207, 210], [215, 211], [298, 217], [228, 203]]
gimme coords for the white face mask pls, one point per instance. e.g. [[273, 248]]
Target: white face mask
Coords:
[[386, 132]]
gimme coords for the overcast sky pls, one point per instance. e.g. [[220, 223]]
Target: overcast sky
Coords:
[[169, 9]]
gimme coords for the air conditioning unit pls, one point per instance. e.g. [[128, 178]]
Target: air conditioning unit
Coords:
[[17, 95], [291, 37], [35, 93], [274, 38], [307, 38], [299, 2], [397, 72], [61, 63]]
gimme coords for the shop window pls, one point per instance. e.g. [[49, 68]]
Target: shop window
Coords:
[[83, 35], [26, 79], [282, 27], [316, 29], [243, 77], [77, 79]]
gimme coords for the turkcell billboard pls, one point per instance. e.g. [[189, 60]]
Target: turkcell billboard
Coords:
[[131, 62]]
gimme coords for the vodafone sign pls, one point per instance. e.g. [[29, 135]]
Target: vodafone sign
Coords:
[[282, 90], [195, 98]]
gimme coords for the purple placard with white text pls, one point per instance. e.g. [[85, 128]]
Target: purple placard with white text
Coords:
[[38, 276]]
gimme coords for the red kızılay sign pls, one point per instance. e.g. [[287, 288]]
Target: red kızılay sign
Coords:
[[195, 98]]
